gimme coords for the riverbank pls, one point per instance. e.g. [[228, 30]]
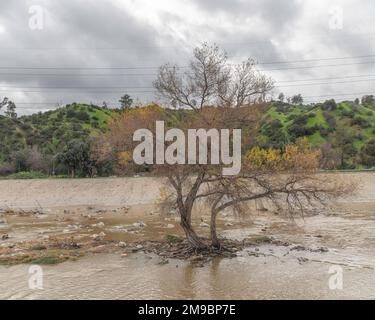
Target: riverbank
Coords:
[[89, 249]]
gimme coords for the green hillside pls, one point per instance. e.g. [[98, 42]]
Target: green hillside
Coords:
[[49, 133], [344, 127], [58, 141]]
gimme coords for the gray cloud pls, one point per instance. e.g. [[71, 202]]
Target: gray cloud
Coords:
[[139, 34]]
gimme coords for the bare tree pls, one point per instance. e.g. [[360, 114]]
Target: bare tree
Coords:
[[211, 81], [289, 181], [244, 86]]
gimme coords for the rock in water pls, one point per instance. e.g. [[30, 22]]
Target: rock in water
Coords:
[[5, 236], [122, 244], [204, 225]]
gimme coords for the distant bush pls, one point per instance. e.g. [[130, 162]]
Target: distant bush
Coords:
[[330, 119], [283, 107], [83, 116], [329, 105], [25, 126], [27, 175], [274, 133], [360, 121], [367, 99], [324, 132], [6, 169], [297, 131], [71, 113], [301, 119], [300, 129], [367, 154], [95, 124], [349, 114]]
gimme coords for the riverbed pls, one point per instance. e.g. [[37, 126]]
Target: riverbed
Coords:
[[336, 242]]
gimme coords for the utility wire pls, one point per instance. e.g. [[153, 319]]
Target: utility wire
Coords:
[[183, 67]]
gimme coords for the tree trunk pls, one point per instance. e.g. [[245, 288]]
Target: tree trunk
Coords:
[[191, 236], [214, 239]]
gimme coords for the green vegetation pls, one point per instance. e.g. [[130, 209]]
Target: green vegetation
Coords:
[[59, 143], [170, 238], [341, 130], [49, 260], [28, 175], [35, 146]]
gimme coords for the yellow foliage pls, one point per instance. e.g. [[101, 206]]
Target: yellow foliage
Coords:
[[296, 157], [124, 157]]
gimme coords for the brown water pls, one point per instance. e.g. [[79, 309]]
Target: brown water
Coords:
[[140, 277], [268, 271]]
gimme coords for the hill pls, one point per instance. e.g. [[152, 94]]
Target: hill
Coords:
[[49, 133], [49, 142], [341, 129]]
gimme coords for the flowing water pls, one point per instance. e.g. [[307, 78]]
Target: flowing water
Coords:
[[299, 269]]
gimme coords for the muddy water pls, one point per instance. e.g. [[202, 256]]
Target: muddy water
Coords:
[[299, 269], [139, 277]]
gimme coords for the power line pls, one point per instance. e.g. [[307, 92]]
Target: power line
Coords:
[[116, 102], [58, 87], [323, 83], [197, 43], [183, 67], [329, 78], [78, 74], [154, 74], [127, 88], [96, 91], [339, 94], [319, 66], [317, 59], [79, 68]]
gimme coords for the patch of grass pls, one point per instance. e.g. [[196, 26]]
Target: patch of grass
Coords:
[[358, 144], [48, 260], [316, 139], [27, 175], [277, 115], [318, 119], [261, 239], [170, 238], [38, 247], [33, 258]]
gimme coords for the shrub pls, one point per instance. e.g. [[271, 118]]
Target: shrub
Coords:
[[330, 119], [83, 116], [360, 121], [349, 114], [28, 175], [6, 169], [367, 154], [71, 113], [329, 105]]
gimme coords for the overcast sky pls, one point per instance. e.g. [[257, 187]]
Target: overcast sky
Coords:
[[119, 44]]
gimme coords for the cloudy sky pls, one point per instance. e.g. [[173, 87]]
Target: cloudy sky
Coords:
[[94, 51]]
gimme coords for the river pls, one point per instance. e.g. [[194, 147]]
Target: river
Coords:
[[299, 270]]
